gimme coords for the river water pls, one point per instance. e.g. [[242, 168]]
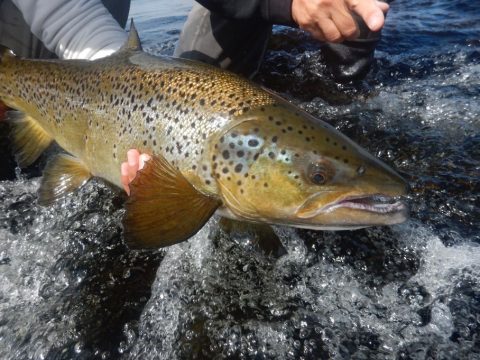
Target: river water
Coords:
[[69, 288]]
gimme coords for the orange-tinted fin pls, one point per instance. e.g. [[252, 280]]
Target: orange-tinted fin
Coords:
[[29, 138], [3, 111], [62, 175], [164, 208]]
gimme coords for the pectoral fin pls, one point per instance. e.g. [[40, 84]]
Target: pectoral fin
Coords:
[[29, 139], [253, 235], [3, 110], [164, 208], [62, 175]]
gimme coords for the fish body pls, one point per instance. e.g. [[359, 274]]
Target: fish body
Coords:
[[219, 142]]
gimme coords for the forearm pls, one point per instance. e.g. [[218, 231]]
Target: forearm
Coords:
[[272, 11], [73, 29]]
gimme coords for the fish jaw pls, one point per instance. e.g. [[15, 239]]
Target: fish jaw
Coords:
[[374, 198], [352, 212]]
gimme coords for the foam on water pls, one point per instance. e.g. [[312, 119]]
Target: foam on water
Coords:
[[68, 285], [303, 304]]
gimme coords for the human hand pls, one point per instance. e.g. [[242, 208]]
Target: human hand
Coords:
[[332, 20], [135, 162]]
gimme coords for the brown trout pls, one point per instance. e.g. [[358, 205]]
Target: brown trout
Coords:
[[218, 143]]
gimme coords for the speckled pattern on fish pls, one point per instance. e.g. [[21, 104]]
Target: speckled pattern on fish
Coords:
[[237, 146]]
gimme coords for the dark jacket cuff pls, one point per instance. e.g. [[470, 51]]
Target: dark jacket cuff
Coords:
[[278, 12]]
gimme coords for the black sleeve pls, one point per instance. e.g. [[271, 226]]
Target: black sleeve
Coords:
[[272, 11]]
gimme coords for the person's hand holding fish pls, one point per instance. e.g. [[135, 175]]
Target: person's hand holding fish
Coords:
[[332, 20], [135, 162]]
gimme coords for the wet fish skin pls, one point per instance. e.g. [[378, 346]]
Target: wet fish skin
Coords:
[[241, 147], [283, 145], [98, 110]]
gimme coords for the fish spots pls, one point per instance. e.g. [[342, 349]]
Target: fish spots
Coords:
[[152, 102], [253, 143], [237, 152]]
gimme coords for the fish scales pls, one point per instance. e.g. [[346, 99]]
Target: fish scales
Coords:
[[170, 108]]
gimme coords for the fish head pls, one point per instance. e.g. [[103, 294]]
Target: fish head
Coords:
[[278, 164]]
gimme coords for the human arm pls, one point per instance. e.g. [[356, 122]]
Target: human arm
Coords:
[[272, 11], [73, 29], [326, 20]]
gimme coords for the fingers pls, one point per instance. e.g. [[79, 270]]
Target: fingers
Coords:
[[128, 169], [383, 6], [124, 178], [142, 160], [370, 11], [330, 31], [345, 23], [133, 161], [332, 20]]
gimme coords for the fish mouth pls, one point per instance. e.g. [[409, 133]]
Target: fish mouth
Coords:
[[379, 204]]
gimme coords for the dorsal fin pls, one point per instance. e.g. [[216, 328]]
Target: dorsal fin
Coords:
[[133, 43], [6, 54]]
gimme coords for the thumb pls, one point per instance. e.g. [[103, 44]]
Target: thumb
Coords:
[[370, 12]]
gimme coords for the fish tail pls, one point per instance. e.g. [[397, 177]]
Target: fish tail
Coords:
[[29, 139], [6, 55]]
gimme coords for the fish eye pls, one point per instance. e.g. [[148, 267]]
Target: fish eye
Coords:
[[319, 173], [318, 178]]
